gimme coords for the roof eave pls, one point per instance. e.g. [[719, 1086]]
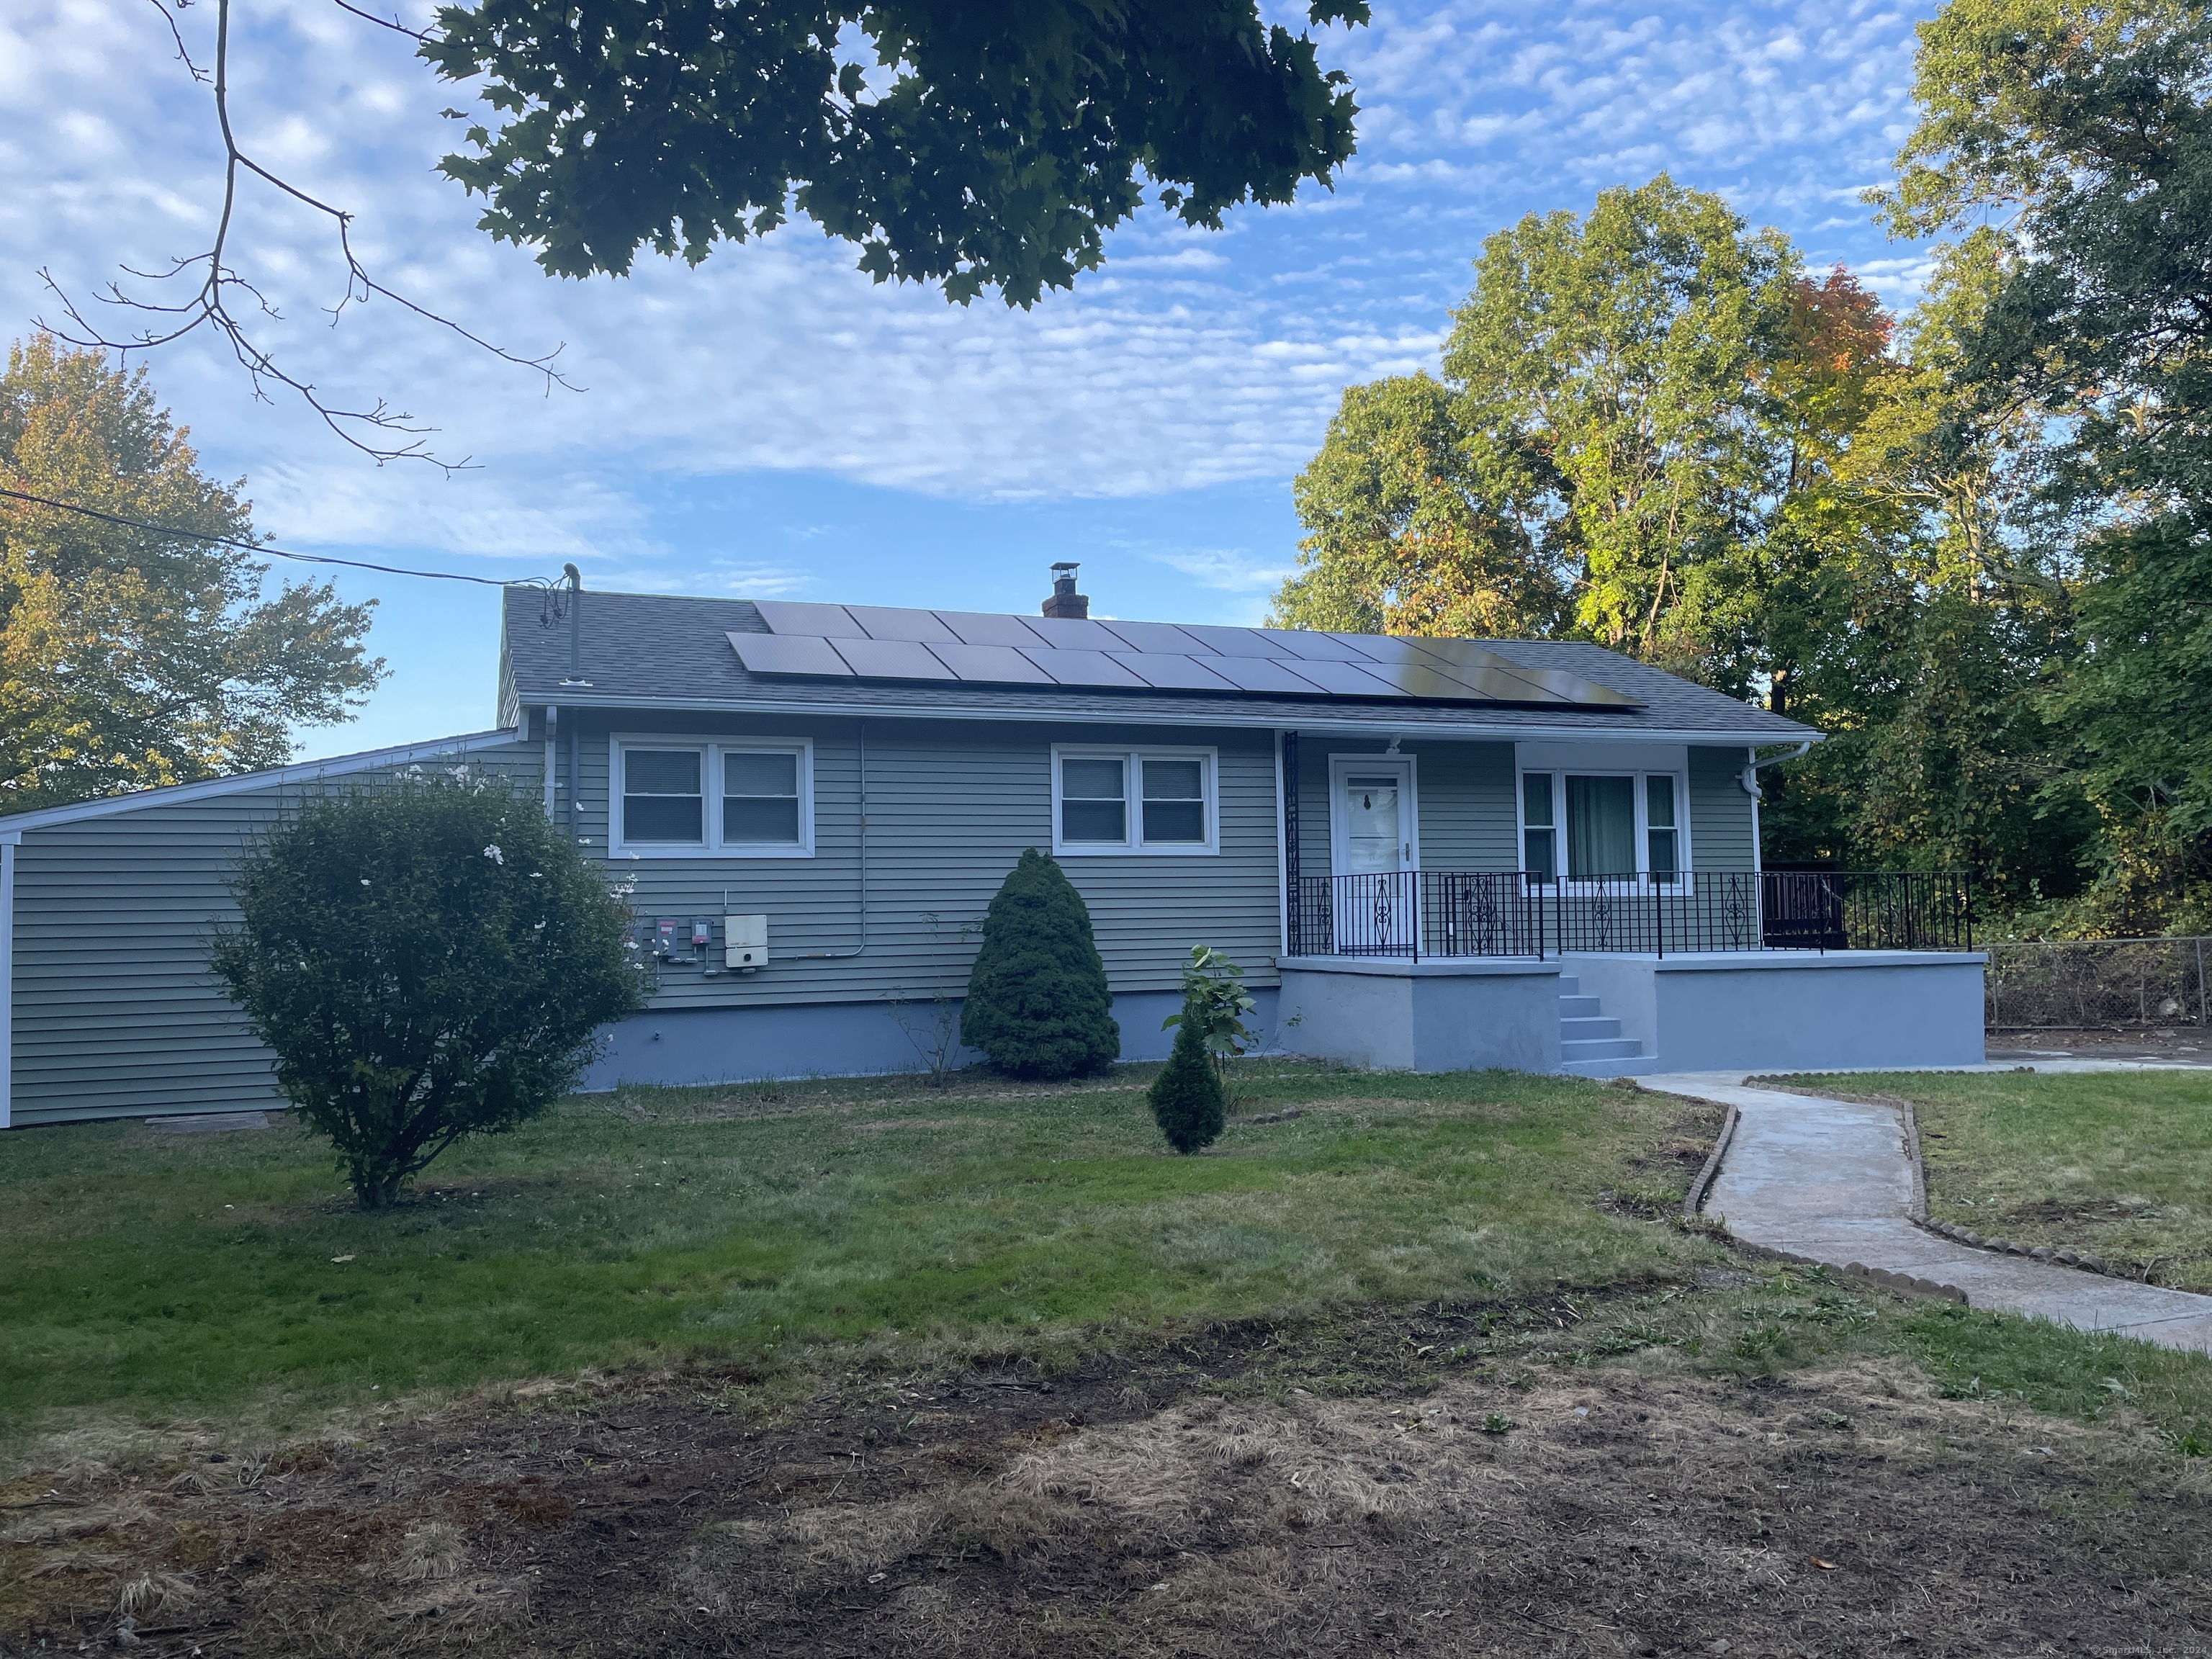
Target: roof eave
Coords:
[[1472, 728]]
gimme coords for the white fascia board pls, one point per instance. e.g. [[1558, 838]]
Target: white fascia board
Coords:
[[1381, 729], [175, 794]]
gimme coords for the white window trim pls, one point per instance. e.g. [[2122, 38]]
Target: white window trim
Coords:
[[1685, 869], [1338, 766], [1134, 801], [710, 751]]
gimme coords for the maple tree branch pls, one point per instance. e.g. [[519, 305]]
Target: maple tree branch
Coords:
[[377, 431]]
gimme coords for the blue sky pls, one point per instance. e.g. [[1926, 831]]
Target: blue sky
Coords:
[[772, 424]]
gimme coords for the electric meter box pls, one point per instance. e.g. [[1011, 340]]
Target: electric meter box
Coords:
[[745, 941]]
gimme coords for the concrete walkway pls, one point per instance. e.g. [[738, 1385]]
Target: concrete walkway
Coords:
[[1831, 1182]]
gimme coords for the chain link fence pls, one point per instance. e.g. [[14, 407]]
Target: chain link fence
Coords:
[[2082, 985]]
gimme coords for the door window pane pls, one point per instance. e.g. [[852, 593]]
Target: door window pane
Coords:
[[1600, 826], [1175, 801], [1093, 801], [1660, 829], [1371, 823], [760, 799], [1538, 853], [660, 797]]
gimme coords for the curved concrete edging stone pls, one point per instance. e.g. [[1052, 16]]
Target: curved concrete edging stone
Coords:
[[1832, 1181]]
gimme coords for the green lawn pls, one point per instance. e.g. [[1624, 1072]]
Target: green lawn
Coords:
[[146, 1275], [2111, 1163]]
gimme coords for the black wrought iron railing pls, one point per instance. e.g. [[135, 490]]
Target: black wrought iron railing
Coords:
[[1418, 914]]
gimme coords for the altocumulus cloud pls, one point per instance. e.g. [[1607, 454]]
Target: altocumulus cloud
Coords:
[[1191, 360]]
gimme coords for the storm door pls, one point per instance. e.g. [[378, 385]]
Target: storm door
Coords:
[[1374, 852]]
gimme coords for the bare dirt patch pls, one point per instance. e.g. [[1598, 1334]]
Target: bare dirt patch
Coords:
[[1325, 1489]]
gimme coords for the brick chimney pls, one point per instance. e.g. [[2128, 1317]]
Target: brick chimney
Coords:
[[1065, 601]]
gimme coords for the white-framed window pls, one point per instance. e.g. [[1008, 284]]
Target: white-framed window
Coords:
[[742, 797], [1590, 825], [1155, 801]]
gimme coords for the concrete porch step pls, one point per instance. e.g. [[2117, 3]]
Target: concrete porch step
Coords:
[[1599, 1048], [1579, 1007], [1570, 987], [1587, 1028], [1628, 1066]]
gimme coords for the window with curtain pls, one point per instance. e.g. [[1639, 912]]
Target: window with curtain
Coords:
[[1597, 827], [1600, 826]]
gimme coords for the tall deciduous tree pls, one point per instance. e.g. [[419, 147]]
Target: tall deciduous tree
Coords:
[[1412, 528], [988, 145], [2084, 131], [1616, 361], [131, 658]]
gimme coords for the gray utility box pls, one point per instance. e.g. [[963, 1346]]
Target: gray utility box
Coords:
[[745, 941]]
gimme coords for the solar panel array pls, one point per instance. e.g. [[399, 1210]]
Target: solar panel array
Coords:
[[878, 642]]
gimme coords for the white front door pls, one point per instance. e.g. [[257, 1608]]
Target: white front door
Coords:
[[1373, 841], [1371, 815]]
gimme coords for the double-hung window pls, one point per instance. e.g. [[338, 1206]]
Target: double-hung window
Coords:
[[1601, 826], [735, 797], [1132, 800]]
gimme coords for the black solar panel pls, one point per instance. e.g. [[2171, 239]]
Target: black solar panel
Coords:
[[980, 628], [991, 664], [1169, 672], [900, 643], [831, 622], [892, 660], [782, 653], [883, 622]]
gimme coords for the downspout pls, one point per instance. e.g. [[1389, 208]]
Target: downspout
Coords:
[[9, 842], [839, 956], [1282, 861], [552, 763], [575, 735]]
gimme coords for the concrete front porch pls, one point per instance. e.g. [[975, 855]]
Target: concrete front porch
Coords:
[[1614, 1014]]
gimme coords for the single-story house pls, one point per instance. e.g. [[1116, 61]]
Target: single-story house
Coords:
[[1426, 853]]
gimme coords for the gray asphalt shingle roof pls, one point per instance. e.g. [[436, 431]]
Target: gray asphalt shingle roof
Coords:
[[657, 651]]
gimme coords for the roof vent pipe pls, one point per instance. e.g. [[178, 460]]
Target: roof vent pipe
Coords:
[[575, 626], [1065, 601]]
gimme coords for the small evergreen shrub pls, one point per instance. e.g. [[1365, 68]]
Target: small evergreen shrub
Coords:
[[1038, 1002], [1186, 1095], [429, 958]]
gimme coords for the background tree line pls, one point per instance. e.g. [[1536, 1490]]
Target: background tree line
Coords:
[[1972, 543]]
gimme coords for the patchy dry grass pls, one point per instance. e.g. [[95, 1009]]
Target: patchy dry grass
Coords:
[[1753, 1461]]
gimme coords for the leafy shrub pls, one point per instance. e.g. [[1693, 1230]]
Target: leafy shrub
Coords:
[[1038, 1002], [429, 958], [1186, 1095], [1213, 995]]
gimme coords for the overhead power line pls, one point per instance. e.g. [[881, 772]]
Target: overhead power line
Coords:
[[273, 552]]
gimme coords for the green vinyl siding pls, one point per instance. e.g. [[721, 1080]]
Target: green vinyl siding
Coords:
[[1722, 827], [115, 1013], [950, 807]]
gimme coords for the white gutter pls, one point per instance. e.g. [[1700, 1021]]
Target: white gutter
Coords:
[[1411, 731]]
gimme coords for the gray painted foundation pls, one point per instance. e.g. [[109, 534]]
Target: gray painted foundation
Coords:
[[1452, 1016], [840, 1039], [1765, 1011]]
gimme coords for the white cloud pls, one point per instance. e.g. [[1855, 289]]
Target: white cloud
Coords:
[[1226, 569]]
